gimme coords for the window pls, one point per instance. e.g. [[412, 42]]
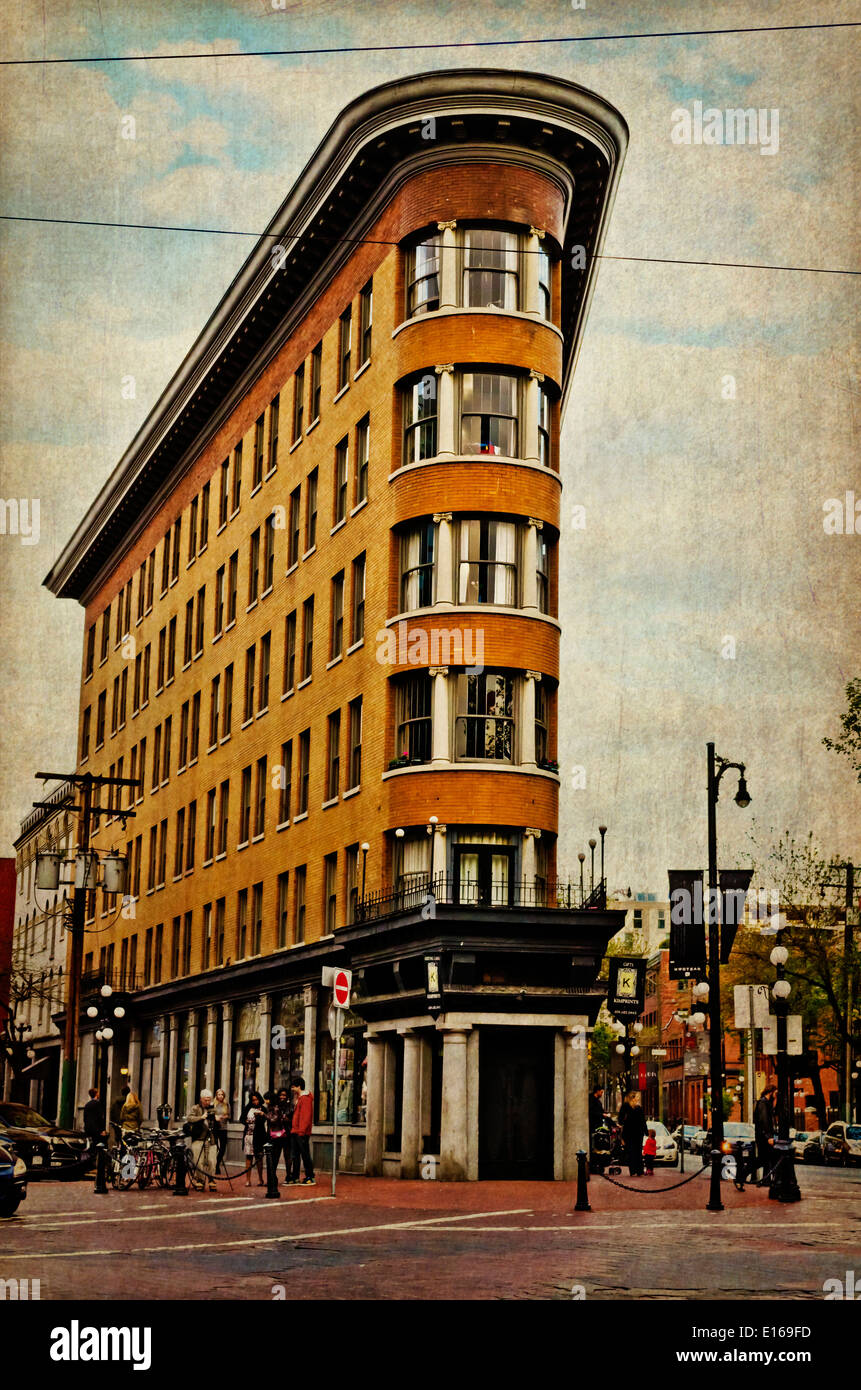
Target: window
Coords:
[[490, 278], [485, 716], [423, 277], [223, 809], [115, 705], [289, 651], [358, 631], [285, 782], [283, 890], [259, 427], [544, 284], [337, 634], [540, 723], [298, 403], [191, 836], [142, 771], [263, 680], [165, 564], [209, 839], [345, 338], [304, 771], [160, 660], [311, 510], [268, 552], [227, 717], [352, 854], [141, 591], [274, 415], [182, 752], [417, 567], [414, 723], [162, 854], [543, 427], [214, 698], [299, 904], [199, 626], [487, 567], [363, 454], [236, 491], [260, 798], [232, 580], [119, 625], [206, 937], [177, 542], [316, 381], [331, 891], [136, 877], [339, 509], [91, 651], [185, 959], [194, 738], [254, 567], [366, 321], [293, 531], [307, 637], [489, 414], [179, 845], [250, 666], [333, 756], [106, 634], [223, 491], [192, 528], [150, 582], [136, 684], [147, 662], [204, 517], [242, 924], [100, 718], [171, 649], [354, 771], [85, 735], [542, 572], [219, 931], [165, 769], [218, 615], [188, 643], [153, 854], [245, 806], [133, 774], [124, 686], [420, 419], [148, 957]]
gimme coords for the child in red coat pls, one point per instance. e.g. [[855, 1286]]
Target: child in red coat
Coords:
[[650, 1149]]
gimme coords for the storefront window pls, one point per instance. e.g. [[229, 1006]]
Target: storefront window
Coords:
[[246, 1056], [288, 1060], [351, 1089]]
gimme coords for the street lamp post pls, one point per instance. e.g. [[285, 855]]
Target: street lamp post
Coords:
[[717, 766], [104, 1035], [784, 1185]]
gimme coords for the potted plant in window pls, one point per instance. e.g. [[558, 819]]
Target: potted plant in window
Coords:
[[402, 760], [548, 765]]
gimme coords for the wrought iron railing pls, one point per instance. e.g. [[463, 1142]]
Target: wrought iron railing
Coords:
[[120, 981], [420, 890]]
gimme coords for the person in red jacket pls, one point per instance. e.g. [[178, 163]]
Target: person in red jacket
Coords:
[[650, 1149], [300, 1133]]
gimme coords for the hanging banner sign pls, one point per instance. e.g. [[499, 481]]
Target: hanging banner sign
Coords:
[[687, 930], [626, 996], [734, 884]]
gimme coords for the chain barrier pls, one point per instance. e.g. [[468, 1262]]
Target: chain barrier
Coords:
[[654, 1191]]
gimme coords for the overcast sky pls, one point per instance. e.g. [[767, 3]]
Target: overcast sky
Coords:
[[704, 508]]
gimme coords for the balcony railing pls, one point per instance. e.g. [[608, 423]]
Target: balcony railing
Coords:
[[478, 893], [120, 981]]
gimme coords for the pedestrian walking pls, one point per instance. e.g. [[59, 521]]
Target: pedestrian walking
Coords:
[[763, 1128], [116, 1114], [596, 1109], [650, 1149], [633, 1123], [131, 1115], [204, 1142], [300, 1133], [221, 1115], [254, 1136], [94, 1119]]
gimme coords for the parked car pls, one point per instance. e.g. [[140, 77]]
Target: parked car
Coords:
[[841, 1143], [47, 1150], [667, 1150], [13, 1181], [698, 1140], [808, 1145], [735, 1131], [683, 1134]]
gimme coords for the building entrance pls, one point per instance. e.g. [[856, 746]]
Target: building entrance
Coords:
[[515, 1103]]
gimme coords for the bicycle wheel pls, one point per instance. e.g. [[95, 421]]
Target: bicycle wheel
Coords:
[[145, 1170], [124, 1170]]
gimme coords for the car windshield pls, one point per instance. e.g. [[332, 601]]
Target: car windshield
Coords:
[[22, 1115], [853, 1132], [738, 1131]]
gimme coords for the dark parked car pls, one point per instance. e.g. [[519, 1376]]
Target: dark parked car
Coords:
[[841, 1143], [13, 1181], [47, 1150], [807, 1144]]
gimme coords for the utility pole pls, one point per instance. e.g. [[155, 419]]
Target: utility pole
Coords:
[[847, 983]]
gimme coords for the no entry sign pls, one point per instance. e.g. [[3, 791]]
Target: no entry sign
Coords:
[[341, 987]]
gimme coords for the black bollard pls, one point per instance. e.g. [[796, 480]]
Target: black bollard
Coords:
[[100, 1186], [582, 1203], [738, 1149], [271, 1176], [784, 1184], [179, 1187]]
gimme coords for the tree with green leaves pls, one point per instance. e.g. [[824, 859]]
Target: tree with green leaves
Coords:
[[849, 742]]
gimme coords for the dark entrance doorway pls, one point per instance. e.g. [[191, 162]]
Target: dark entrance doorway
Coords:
[[515, 1103]]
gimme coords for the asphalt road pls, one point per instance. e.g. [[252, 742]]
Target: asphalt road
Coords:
[[384, 1239]]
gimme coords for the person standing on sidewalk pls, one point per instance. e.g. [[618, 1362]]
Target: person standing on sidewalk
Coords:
[[300, 1133], [633, 1123], [254, 1137], [94, 1119], [763, 1128], [116, 1114], [221, 1115], [650, 1149], [279, 1135]]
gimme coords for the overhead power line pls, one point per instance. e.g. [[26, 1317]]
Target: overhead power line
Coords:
[[423, 47], [372, 241]]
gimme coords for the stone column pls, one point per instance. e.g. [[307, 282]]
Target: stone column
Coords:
[[527, 860], [134, 1062], [531, 284], [226, 1067], [374, 1134], [441, 740], [264, 1069], [454, 1137], [529, 444], [163, 1058], [527, 722], [446, 431], [411, 1112], [529, 587], [172, 1062], [310, 1055], [576, 1095], [211, 1059], [443, 566], [193, 1045], [561, 1040], [472, 1046], [448, 295], [438, 866]]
